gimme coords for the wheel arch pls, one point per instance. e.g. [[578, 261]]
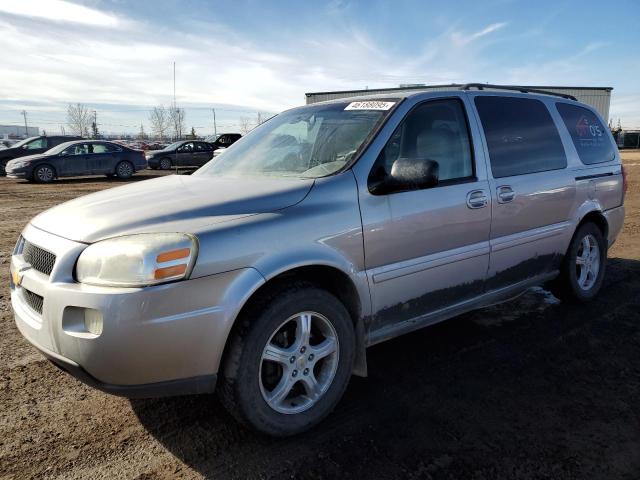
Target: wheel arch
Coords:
[[323, 275], [595, 215]]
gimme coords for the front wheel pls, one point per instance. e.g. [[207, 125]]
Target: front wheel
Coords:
[[44, 174], [165, 164], [583, 266], [289, 362]]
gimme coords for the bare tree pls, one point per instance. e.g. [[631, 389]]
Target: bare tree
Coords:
[[160, 121], [176, 120], [245, 125], [79, 119]]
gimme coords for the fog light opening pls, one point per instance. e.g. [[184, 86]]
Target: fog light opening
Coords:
[[93, 321]]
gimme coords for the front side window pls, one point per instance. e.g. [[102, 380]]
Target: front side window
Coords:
[[78, 149], [521, 136], [588, 134], [436, 131], [308, 142], [187, 147]]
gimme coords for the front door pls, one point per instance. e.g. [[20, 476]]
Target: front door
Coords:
[[74, 160], [532, 188], [427, 249]]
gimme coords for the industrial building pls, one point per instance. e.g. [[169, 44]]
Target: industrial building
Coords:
[[18, 131], [598, 97]]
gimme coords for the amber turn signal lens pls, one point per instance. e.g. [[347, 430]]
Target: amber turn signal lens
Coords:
[[173, 255], [168, 272]]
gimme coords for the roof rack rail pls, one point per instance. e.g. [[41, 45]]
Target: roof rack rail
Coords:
[[515, 88]]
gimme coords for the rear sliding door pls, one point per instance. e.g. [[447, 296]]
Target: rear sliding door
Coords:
[[532, 189]]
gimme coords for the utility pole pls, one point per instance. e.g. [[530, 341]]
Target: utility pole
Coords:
[[215, 127], [174, 84], [26, 129]]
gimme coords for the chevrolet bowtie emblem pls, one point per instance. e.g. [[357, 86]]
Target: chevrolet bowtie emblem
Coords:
[[17, 274]]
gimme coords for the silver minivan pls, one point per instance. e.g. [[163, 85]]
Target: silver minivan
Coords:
[[330, 228]]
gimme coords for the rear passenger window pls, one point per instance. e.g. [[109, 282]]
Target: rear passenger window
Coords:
[[437, 131], [521, 136], [588, 134]]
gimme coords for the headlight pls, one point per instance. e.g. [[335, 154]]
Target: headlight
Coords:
[[138, 260], [20, 164]]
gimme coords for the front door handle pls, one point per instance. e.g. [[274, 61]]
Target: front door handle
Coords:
[[505, 194], [477, 199]]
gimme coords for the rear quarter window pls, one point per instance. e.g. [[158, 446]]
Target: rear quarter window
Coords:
[[521, 136], [588, 134]]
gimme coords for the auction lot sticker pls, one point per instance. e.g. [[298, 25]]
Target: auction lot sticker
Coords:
[[370, 105]]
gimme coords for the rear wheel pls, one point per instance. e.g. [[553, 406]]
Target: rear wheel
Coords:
[[583, 267], [124, 170], [289, 362], [165, 164], [44, 174]]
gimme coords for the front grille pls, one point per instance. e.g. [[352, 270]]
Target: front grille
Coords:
[[33, 300], [38, 258]]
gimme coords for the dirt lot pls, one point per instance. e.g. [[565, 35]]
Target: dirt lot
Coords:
[[531, 389]]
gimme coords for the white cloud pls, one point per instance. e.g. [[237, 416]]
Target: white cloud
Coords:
[[462, 39], [59, 10]]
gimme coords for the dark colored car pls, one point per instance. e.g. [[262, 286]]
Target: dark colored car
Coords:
[[189, 153], [85, 157], [226, 140], [186, 153], [32, 146]]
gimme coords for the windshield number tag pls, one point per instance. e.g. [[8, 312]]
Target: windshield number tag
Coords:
[[370, 105]]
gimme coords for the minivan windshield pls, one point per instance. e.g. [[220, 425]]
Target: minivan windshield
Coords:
[[308, 142]]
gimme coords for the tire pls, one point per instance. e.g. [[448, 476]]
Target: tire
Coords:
[[250, 382], [165, 164], [3, 166], [583, 266], [124, 170], [44, 174]]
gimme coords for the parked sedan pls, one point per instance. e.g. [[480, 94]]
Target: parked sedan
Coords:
[[31, 146], [86, 157], [186, 153]]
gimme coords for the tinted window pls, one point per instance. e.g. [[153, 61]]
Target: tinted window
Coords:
[[77, 149], [104, 148], [436, 130], [588, 134], [521, 136]]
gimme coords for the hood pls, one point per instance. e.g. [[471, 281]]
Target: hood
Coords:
[[37, 156], [176, 203]]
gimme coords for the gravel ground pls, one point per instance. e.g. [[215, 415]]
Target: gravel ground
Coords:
[[529, 389]]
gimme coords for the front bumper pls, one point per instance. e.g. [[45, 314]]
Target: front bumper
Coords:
[[155, 341], [20, 172]]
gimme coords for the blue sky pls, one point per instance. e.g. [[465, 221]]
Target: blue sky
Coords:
[[242, 57]]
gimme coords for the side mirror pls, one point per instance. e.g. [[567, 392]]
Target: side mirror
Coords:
[[408, 174]]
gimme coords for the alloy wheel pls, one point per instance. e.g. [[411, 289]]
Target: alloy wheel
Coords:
[[299, 362], [587, 262]]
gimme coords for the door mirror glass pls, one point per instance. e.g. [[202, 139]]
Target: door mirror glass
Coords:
[[408, 174]]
